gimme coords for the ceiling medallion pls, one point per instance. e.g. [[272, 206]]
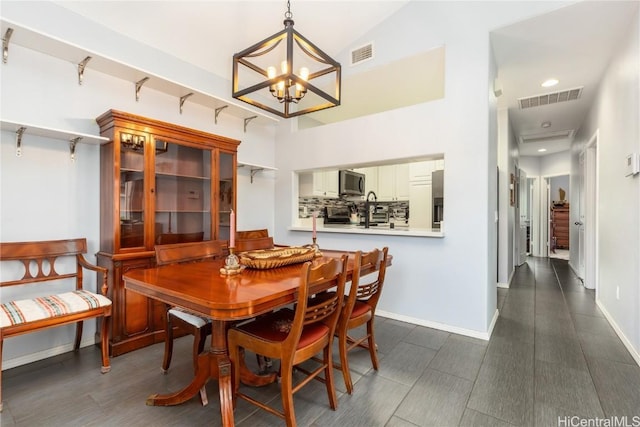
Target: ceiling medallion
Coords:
[[308, 80]]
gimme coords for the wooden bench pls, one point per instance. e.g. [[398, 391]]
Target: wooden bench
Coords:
[[30, 315]]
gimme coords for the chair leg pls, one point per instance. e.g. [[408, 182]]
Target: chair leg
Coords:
[[168, 344], [286, 388], [1, 340], [76, 344], [197, 338], [344, 362], [373, 349], [104, 345], [328, 377]]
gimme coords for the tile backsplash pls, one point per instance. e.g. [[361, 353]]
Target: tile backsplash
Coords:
[[308, 205]]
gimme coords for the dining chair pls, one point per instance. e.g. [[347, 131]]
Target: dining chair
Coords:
[[294, 336], [252, 234], [360, 308], [198, 326], [252, 244]]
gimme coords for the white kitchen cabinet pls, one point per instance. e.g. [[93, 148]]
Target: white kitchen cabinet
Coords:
[[318, 184], [393, 182], [421, 171], [420, 210], [370, 179]]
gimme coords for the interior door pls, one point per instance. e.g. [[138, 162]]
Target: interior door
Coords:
[[581, 213], [591, 215], [523, 209]]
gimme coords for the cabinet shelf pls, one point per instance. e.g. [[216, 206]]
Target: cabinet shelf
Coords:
[[70, 136], [182, 211], [179, 175], [53, 46]]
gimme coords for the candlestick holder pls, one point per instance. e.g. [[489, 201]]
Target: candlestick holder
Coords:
[[316, 248], [231, 264]]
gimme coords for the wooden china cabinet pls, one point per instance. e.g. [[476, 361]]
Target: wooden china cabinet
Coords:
[[159, 183]]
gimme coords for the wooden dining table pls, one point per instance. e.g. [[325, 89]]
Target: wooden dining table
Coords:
[[201, 288]]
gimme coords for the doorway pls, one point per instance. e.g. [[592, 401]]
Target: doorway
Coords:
[[590, 216], [559, 214]]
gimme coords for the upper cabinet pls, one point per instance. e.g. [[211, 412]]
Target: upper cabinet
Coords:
[[319, 184], [162, 183], [393, 182]]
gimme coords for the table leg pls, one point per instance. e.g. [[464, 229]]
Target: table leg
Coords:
[[201, 378]]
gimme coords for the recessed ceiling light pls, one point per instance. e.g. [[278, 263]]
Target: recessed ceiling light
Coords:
[[542, 150], [550, 82], [546, 124]]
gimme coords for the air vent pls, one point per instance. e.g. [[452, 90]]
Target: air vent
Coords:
[[550, 98], [362, 54], [547, 136]]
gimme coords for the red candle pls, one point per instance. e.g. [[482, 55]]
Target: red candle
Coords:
[[232, 229], [315, 215]]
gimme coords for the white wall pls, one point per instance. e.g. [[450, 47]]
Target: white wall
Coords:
[[507, 222], [616, 115]]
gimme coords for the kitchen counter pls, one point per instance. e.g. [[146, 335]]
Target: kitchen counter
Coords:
[[383, 229]]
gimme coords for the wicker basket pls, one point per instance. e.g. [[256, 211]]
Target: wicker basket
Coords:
[[278, 257]]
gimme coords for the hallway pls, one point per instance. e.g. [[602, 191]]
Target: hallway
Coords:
[[552, 354]]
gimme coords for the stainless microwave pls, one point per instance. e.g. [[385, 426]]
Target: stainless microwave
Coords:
[[351, 183]]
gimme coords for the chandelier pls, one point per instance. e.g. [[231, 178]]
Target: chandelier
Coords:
[[305, 81]]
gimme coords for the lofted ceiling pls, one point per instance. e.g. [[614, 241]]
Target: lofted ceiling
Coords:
[[573, 44]]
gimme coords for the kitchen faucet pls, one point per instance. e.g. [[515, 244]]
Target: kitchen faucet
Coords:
[[367, 206]]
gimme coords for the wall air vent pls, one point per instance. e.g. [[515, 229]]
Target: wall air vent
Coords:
[[550, 98], [361, 54], [547, 136]]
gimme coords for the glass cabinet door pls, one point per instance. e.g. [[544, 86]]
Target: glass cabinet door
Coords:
[[226, 198], [132, 200], [182, 193]]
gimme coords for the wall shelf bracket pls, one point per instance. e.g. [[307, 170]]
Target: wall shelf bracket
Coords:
[[139, 84], [19, 133], [254, 171], [72, 147], [184, 98], [218, 110], [246, 122], [5, 44], [81, 67]]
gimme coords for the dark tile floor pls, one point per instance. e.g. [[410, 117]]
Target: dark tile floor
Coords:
[[552, 354]]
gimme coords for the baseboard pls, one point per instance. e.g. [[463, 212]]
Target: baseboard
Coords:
[[634, 352], [44, 354], [575, 270], [441, 326], [508, 284]]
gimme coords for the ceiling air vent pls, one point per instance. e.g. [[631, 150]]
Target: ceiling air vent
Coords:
[[362, 54], [550, 98], [547, 136]]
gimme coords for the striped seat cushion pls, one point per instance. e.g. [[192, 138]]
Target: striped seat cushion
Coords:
[[31, 310]]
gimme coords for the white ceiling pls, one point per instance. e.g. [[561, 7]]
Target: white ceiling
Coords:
[[573, 44]]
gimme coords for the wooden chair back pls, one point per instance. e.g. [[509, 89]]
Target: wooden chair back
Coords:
[[332, 273], [243, 245], [188, 252], [172, 238], [369, 291], [252, 234]]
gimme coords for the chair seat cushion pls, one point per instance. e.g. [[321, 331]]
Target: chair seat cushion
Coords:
[[275, 327], [31, 310], [190, 318], [360, 308]]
